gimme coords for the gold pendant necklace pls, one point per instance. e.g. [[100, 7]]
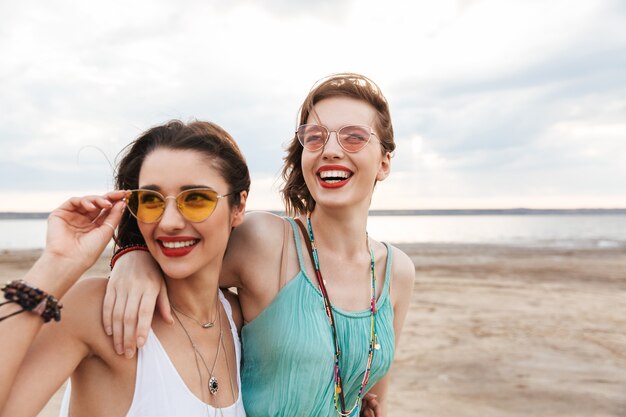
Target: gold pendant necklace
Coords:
[[205, 325]]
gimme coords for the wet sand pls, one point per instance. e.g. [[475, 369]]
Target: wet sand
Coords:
[[497, 331]]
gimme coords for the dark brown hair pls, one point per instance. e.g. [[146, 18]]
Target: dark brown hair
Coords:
[[295, 194], [204, 137]]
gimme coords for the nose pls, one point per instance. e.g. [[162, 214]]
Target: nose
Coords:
[[171, 219], [332, 149]]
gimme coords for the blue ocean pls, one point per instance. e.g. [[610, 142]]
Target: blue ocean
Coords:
[[536, 230]]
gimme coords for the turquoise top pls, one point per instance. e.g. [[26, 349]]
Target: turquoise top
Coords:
[[288, 352]]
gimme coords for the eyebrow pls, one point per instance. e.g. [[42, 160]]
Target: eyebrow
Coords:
[[153, 187]]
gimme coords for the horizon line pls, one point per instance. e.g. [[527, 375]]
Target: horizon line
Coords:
[[19, 215]]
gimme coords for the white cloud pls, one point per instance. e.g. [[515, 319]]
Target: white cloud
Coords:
[[493, 102]]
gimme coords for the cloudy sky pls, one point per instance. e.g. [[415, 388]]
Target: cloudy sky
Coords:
[[496, 103]]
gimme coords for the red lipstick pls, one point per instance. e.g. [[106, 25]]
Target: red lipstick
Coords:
[[333, 176], [176, 246]]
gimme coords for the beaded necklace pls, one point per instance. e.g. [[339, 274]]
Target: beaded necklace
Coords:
[[373, 345]]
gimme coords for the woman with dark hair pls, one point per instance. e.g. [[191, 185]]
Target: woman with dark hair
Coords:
[[190, 368], [323, 303]]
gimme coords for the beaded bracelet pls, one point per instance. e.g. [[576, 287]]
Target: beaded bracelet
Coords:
[[31, 299], [125, 249]]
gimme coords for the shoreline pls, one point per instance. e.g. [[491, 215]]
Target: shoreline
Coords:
[[495, 330], [519, 211]]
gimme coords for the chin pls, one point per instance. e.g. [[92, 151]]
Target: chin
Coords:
[[175, 272], [337, 201]]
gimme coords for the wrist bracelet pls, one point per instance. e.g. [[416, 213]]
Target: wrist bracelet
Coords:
[[125, 249], [31, 299]]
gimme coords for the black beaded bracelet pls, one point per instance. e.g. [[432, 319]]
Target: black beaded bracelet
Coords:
[[31, 299]]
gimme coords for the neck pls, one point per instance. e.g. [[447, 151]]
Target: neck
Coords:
[[196, 297], [342, 232]]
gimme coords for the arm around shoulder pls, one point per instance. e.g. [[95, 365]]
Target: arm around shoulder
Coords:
[[135, 287]]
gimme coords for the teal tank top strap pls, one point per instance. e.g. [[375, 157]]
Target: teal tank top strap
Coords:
[[384, 294], [296, 238]]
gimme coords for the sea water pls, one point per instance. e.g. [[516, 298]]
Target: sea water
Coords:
[[540, 230]]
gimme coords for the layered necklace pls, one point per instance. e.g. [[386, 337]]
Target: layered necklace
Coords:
[[206, 324], [340, 405], [212, 384]]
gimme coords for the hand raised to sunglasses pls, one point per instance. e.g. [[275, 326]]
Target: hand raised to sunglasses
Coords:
[[79, 230], [77, 233]]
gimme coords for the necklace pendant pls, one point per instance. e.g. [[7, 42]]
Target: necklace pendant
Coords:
[[377, 346], [213, 385], [207, 325]]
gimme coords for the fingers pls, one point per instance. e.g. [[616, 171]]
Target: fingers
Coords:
[[107, 308], [163, 304], [112, 207], [130, 324], [94, 206], [144, 320], [370, 406], [370, 397], [91, 205], [137, 282], [118, 323], [366, 410], [111, 219], [116, 195]]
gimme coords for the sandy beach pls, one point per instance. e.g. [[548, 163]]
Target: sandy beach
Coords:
[[497, 331]]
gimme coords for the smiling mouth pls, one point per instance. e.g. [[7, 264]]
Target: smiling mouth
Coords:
[[179, 245], [334, 176]]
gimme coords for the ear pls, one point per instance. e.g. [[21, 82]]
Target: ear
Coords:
[[385, 167], [239, 212]]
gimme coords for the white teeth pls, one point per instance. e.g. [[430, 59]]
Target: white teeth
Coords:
[[334, 174], [176, 245]]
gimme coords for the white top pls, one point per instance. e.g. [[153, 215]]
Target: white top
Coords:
[[159, 389]]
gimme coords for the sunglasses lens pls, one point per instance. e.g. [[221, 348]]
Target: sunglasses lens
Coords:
[[354, 138], [149, 206], [312, 137], [146, 206], [197, 205], [351, 138]]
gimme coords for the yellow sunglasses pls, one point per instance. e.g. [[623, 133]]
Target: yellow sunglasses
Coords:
[[195, 204]]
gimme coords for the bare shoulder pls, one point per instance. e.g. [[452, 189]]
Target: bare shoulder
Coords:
[[403, 272], [257, 240], [84, 294], [79, 332], [259, 226], [58, 350], [82, 306]]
